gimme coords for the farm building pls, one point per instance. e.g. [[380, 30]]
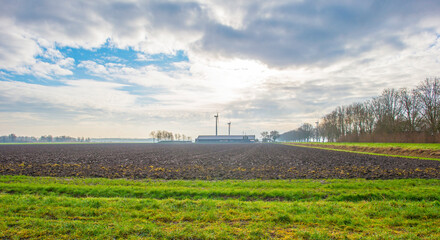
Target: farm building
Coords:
[[225, 139]]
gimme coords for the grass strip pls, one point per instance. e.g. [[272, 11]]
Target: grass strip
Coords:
[[359, 152], [70, 143], [32, 211], [251, 190], [429, 146]]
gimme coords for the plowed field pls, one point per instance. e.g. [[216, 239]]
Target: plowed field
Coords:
[[204, 161]]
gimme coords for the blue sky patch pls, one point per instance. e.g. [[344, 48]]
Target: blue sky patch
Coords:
[[104, 55], [128, 57], [29, 78]]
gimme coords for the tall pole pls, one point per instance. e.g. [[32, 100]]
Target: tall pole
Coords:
[[229, 128], [316, 130], [216, 121]]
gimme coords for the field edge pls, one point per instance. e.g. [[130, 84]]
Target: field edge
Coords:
[[368, 151]]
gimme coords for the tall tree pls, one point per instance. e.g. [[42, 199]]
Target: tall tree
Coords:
[[153, 135], [410, 103], [274, 135], [306, 131], [265, 136], [387, 111], [429, 95]]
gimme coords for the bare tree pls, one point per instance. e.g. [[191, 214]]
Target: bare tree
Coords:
[[393, 112], [341, 121], [307, 131], [265, 135], [369, 117], [429, 94], [274, 135], [153, 135], [159, 135], [410, 103], [387, 111], [329, 126]]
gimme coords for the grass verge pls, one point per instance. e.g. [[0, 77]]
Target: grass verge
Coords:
[[424, 146], [57, 208], [402, 150]]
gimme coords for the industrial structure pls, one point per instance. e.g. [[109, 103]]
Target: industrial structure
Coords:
[[225, 138], [216, 123]]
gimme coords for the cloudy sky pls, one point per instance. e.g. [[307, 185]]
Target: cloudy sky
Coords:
[[126, 68]]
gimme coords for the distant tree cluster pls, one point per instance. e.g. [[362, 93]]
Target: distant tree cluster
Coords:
[[271, 136], [305, 133], [12, 138], [162, 135], [399, 115]]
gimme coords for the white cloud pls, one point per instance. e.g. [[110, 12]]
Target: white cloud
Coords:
[[17, 48], [18, 52], [282, 62], [46, 70], [93, 67], [75, 95]]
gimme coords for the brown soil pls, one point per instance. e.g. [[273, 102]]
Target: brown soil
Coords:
[[426, 153], [205, 161]]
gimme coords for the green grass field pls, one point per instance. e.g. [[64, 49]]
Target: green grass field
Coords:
[[407, 146], [431, 146], [67, 143], [57, 208], [46, 143]]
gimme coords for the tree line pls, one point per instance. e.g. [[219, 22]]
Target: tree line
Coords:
[[12, 138], [397, 115], [162, 135], [271, 136]]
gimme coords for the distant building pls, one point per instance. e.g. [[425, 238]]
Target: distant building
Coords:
[[174, 142], [225, 139]]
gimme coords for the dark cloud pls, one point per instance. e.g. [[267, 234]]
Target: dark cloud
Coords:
[[279, 34], [318, 32]]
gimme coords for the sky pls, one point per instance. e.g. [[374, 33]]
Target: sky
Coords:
[[126, 68]]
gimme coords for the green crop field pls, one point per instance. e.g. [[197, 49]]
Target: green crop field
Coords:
[[431, 146], [94, 208], [47, 143]]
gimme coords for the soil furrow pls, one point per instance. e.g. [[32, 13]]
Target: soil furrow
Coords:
[[205, 161]]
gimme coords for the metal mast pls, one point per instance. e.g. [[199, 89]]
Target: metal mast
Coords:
[[229, 128], [317, 131], [216, 122]]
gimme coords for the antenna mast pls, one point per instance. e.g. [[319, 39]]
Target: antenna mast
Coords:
[[229, 128], [216, 122]]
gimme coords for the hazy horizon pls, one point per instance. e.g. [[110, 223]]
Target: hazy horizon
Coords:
[[121, 69]]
